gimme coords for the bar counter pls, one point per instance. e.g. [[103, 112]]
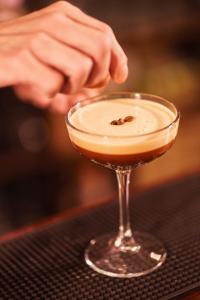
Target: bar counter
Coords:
[[45, 260]]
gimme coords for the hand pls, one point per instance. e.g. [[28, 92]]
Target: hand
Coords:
[[58, 49], [61, 103]]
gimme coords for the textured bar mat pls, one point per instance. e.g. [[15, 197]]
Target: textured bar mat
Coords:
[[48, 263]]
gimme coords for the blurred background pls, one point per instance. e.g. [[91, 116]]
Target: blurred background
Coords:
[[40, 172]]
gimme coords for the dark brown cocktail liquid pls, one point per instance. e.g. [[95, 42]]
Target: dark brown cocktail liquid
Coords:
[[124, 159]]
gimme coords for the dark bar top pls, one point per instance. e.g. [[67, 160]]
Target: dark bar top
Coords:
[[45, 261]]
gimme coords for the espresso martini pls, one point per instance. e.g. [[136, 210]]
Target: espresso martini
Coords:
[[122, 132]]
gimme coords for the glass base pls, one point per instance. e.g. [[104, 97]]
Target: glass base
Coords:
[[146, 256]]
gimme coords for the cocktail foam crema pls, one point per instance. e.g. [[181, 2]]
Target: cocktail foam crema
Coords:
[[144, 133]]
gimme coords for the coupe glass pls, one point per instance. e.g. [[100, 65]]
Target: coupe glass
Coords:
[[126, 253]]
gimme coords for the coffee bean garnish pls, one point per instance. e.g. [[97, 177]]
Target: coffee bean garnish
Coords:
[[114, 122], [128, 119], [121, 121]]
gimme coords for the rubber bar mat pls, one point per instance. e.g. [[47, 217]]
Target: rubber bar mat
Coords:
[[48, 263]]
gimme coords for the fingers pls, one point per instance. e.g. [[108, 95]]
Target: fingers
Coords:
[[60, 103], [87, 35], [30, 93], [103, 83], [73, 64], [59, 46], [95, 44], [118, 66], [39, 82], [87, 42]]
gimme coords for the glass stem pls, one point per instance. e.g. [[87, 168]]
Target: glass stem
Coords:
[[125, 238]]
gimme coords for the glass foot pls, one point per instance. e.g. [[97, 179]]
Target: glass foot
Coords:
[[105, 257]]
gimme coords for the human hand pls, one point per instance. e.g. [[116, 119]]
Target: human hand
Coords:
[[61, 103], [58, 49]]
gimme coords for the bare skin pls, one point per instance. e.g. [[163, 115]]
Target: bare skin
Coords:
[[59, 54]]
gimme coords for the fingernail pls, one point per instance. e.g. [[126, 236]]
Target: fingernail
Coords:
[[122, 74]]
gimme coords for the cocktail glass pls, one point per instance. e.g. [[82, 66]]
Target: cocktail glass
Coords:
[[115, 144]]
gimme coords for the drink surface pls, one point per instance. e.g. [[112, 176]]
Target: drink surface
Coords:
[[135, 136]]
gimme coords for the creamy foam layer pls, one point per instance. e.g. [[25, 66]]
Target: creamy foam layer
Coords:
[[96, 117]]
